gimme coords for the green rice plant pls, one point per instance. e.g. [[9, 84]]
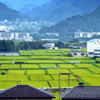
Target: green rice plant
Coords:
[[35, 72], [57, 71], [36, 84], [40, 57], [29, 66], [10, 66], [48, 66], [95, 70], [40, 61], [26, 54], [63, 77], [47, 54], [6, 85], [40, 77], [14, 77], [54, 84], [81, 61], [80, 72], [16, 72], [97, 65], [66, 66], [6, 62], [78, 58], [85, 65], [92, 80]]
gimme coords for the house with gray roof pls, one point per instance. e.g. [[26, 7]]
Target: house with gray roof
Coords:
[[82, 92], [25, 92]]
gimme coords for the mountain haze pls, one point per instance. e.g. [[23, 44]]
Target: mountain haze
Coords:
[[23, 5], [86, 22], [9, 14], [58, 10]]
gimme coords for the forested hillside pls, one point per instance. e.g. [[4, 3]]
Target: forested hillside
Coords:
[[9, 14], [87, 22], [58, 10]]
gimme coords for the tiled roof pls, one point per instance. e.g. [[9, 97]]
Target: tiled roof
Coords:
[[25, 91], [82, 92]]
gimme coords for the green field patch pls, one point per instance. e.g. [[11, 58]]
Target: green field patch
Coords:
[[85, 65], [40, 61], [26, 54], [81, 61], [73, 83], [78, 58], [63, 77], [57, 71], [16, 72], [80, 72], [14, 77], [5, 62], [48, 66], [66, 66], [40, 57], [29, 66], [47, 54], [36, 84], [95, 70], [10, 66], [36, 72], [40, 77], [6, 85], [92, 80], [97, 65]]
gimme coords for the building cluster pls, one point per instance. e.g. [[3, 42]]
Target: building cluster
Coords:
[[81, 34], [15, 36]]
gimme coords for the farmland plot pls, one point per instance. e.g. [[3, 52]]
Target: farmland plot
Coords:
[[37, 84], [35, 72], [57, 71], [85, 65], [48, 66], [40, 77], [29, 66], [10, 66], [66, 66]]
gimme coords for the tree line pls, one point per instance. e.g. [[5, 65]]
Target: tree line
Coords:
[[12, 46]]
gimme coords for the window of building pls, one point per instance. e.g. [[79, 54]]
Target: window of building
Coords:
[[75, 53], [82, 53]]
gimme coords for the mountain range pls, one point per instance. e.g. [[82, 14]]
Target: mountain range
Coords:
[[7, 13], [58, 10], [87, 22], [23, 5]]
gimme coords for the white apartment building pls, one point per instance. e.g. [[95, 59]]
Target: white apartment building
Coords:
[[49, 45], [83, 34], [93, 47], [15, 36]]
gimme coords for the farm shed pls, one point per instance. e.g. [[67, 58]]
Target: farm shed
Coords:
[[82, 92], [25, 92]]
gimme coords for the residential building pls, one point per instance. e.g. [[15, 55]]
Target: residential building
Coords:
[[93, 47], [49, 45], [80, 34], [78, 53], [16, 36], [81, 92], [25, 92]]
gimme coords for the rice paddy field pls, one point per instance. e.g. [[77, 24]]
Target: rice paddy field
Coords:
[[41, 68]]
